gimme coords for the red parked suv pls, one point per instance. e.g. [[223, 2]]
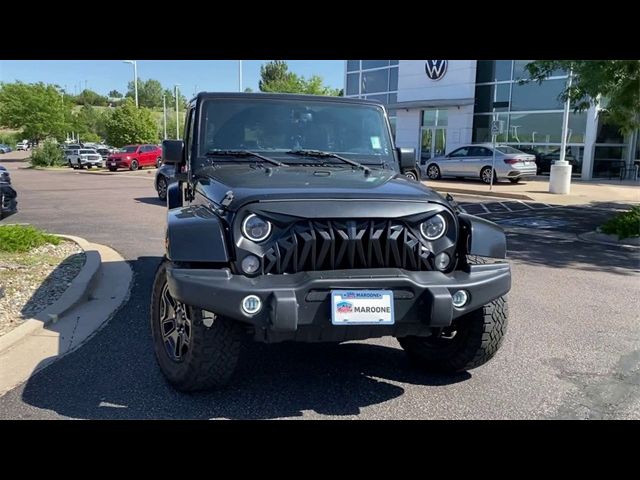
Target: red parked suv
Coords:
[[134, 157]]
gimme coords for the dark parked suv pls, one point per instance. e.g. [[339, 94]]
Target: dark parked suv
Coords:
[[290, 220]]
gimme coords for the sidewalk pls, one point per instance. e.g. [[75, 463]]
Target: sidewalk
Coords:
[[538, 190]]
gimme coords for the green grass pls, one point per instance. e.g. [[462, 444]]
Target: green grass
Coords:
[[625, 224], [22, 238]]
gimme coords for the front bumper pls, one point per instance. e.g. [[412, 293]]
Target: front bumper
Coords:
[[297, 306]]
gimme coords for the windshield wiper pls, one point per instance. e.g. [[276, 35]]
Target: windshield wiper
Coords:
[[243, 153], [321, 154]]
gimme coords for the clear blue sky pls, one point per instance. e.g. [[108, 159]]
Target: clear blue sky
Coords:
[[209, 75]]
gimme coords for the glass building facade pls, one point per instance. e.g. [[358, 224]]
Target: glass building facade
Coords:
[[434, 116]]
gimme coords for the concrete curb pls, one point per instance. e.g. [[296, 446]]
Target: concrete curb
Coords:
[[514, 196], [611, 240], [77, 292], [44, 346]]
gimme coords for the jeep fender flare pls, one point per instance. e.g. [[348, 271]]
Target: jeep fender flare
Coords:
[[195, 234], [483, 238]]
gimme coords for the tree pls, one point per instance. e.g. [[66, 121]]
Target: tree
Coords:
[[89, 97], [171, 125], [128, 124], [248, 90], [114, 94], [171, 100], [91, 121], [149, 93], [276, 77], [37, 109], [617, 81]]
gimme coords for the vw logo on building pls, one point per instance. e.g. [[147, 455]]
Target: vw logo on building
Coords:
[[436, 69]]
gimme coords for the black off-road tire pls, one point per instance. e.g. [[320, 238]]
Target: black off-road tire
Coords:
[[411, 174], [478, 336], [483, 332], [161, 187], [214, 352]]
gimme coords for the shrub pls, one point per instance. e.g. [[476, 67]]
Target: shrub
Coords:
[[48, 154], [10, 138], [625, 224], [22, 238]]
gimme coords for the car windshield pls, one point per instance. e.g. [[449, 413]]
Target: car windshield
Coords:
[[276, 126], [87, 152], [128, 149], [506, 149]]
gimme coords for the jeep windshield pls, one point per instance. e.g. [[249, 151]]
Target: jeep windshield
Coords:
[[276, 127]]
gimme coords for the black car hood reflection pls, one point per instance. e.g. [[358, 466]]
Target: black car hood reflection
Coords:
[[250, 183]]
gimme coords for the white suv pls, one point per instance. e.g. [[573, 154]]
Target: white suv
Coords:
[[79, 158]]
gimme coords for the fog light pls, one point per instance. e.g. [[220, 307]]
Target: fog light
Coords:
[[460, 298], [251, 305], [442, 261], [250, 264]]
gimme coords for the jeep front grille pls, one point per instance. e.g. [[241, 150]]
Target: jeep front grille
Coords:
[[349, 244]]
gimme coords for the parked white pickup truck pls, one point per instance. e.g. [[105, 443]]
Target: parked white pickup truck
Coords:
[[79, 158]]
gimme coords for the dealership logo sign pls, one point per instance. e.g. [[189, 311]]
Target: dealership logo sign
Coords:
[[436, 69]]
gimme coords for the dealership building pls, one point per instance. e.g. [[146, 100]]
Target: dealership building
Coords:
[[436, 106]]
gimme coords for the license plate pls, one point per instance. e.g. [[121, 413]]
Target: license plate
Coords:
[[362, 307]]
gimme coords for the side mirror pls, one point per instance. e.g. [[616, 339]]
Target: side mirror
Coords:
[[407, 157], [173, 151]]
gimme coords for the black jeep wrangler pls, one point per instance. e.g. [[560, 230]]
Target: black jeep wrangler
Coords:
[[290, 220]]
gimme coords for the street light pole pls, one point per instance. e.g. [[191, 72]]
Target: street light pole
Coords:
[[240, 75], [560, 175], [177, 118], [135, 78], [164, 115]]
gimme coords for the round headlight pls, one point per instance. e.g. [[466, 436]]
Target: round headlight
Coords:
[[433, 228], [250, 264], [255, 228]]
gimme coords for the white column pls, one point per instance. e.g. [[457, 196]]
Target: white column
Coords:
[[589, 143]]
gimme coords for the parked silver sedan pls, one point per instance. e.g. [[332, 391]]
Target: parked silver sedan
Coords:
[[475, 161]]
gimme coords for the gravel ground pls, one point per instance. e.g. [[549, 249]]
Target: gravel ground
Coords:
[[31, 282]]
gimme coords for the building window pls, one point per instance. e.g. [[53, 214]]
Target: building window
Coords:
[[393, 79], [521, 73], [609, 133], [378, 77], [375, 81], [608, 160], [353, 65], [481, 132], [488, 71], [434, 117], [367, 64], [492, 98], [535, 96], [545, 127], [353, 80]]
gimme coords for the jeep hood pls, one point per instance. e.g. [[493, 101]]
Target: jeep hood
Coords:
[[249, 183]]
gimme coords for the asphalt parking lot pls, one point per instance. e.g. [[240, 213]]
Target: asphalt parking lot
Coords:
[[572, 349]]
